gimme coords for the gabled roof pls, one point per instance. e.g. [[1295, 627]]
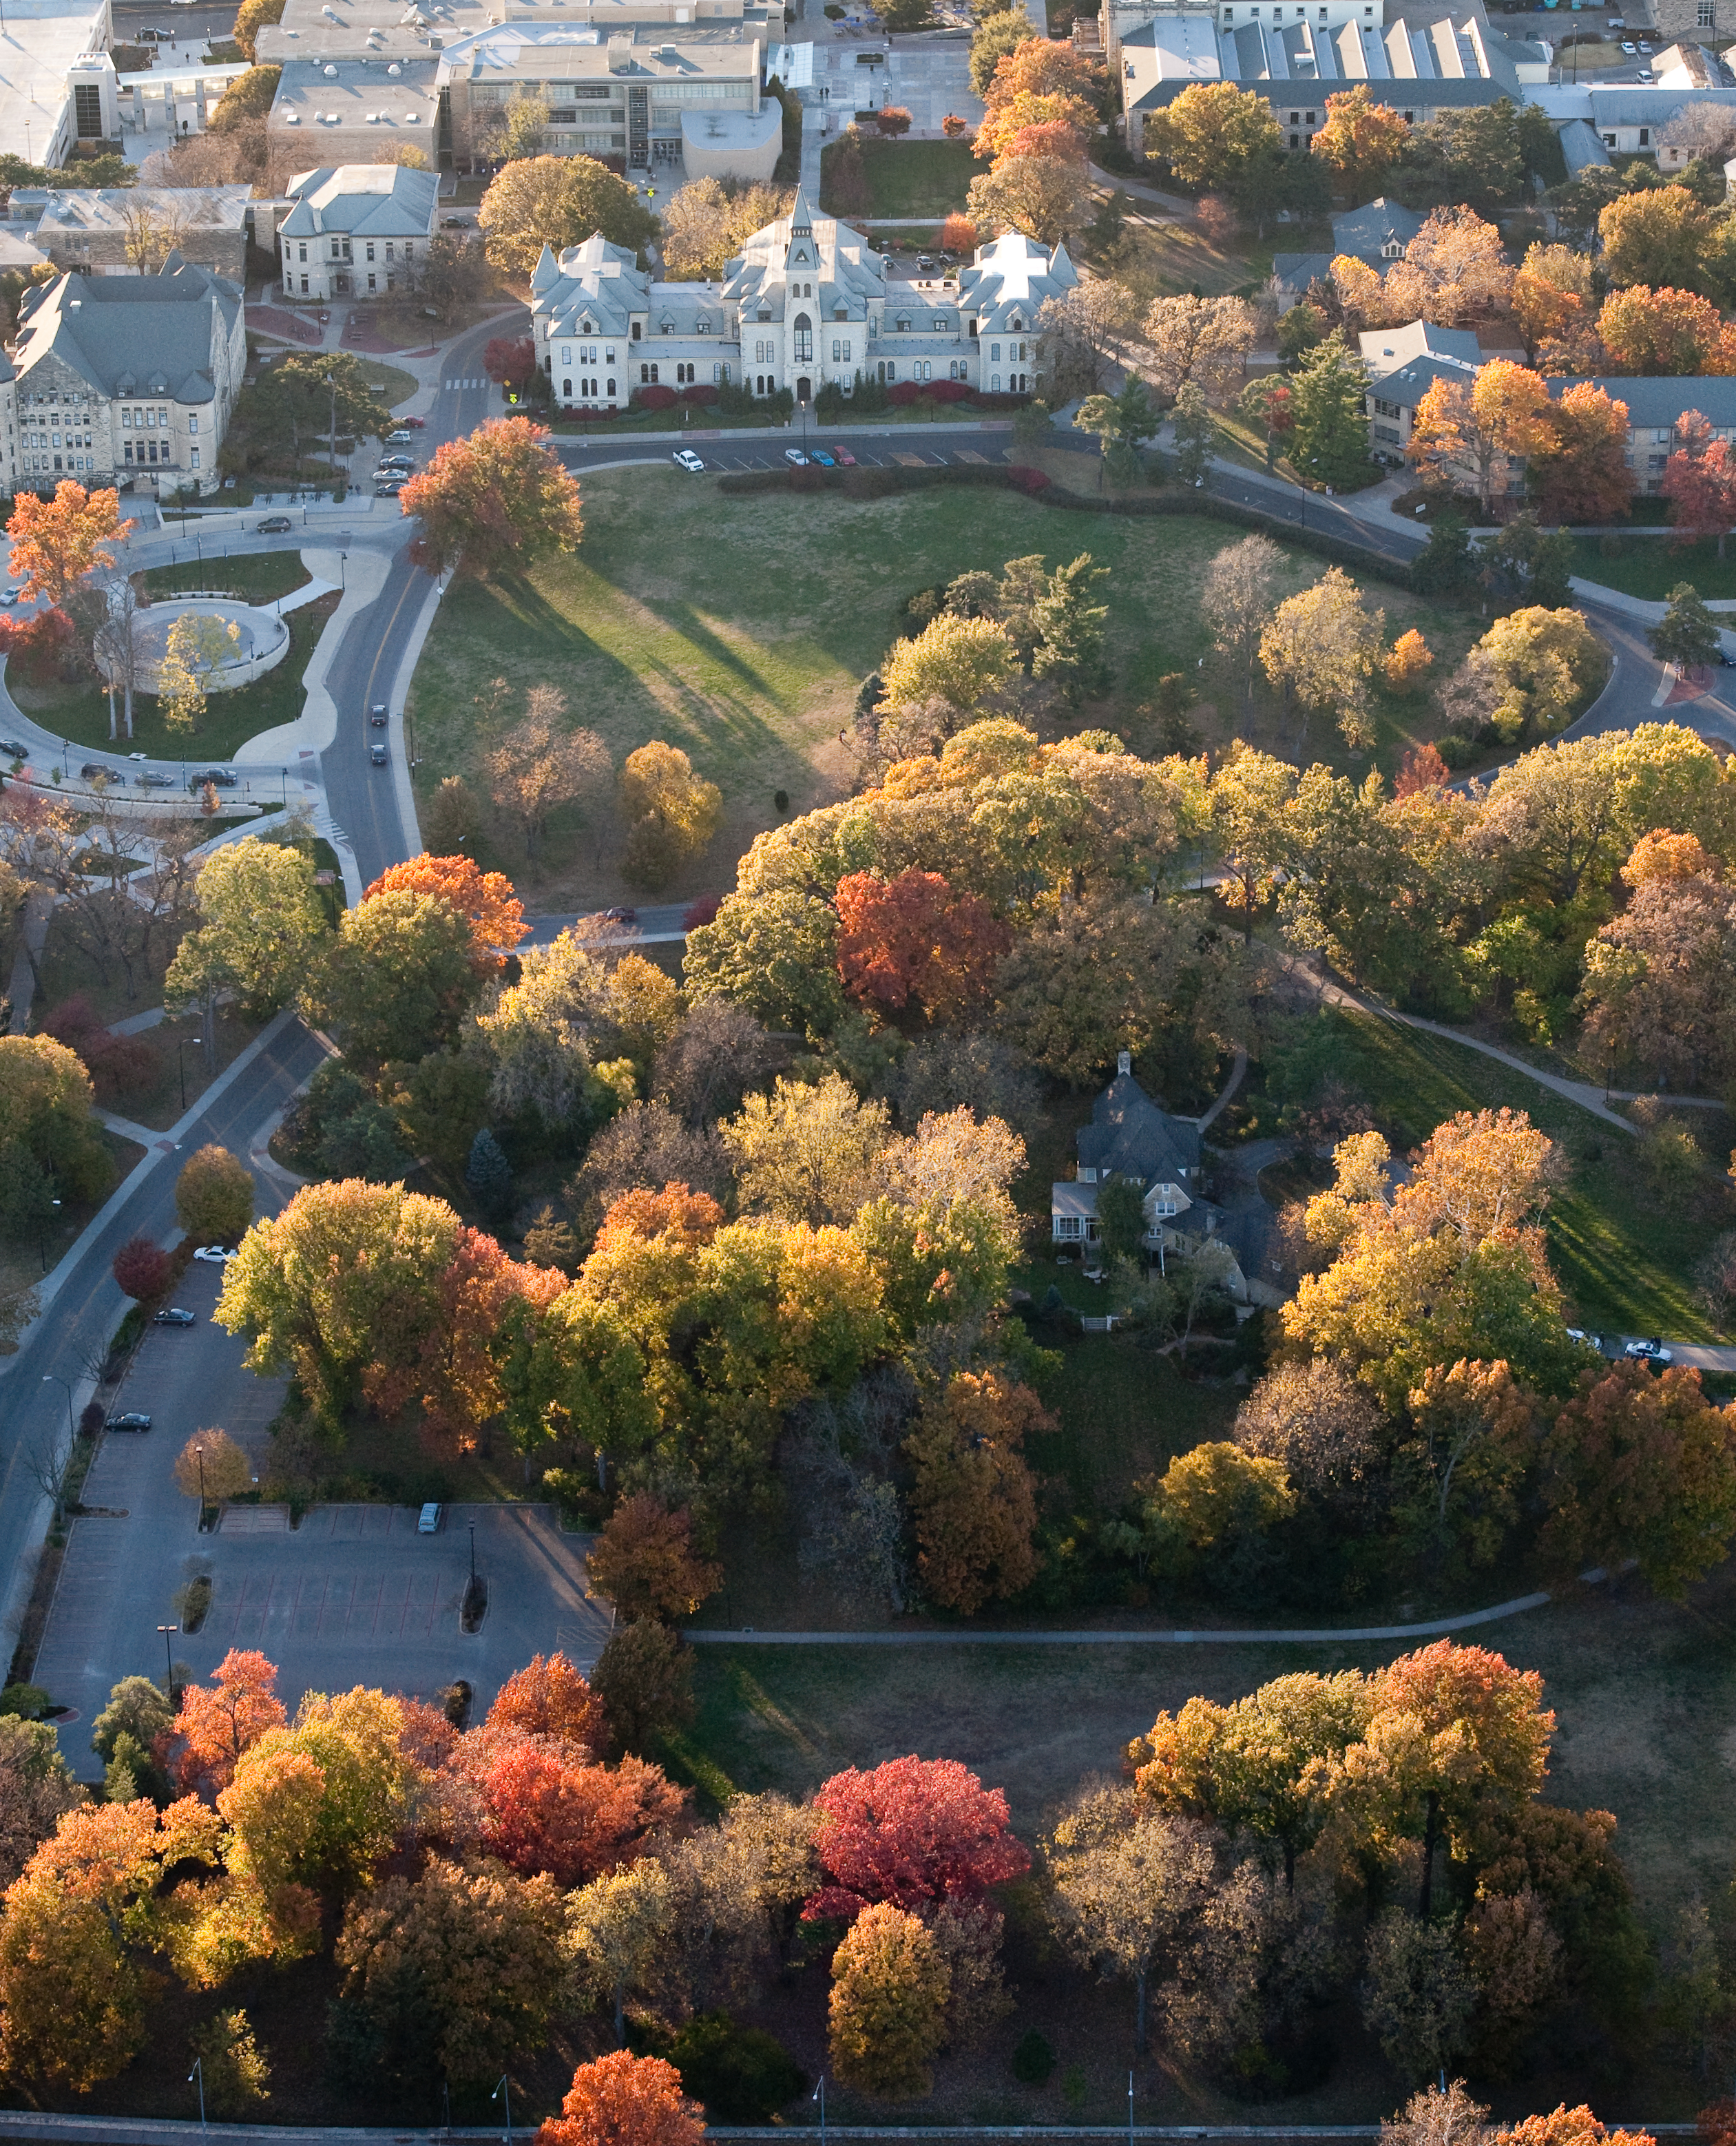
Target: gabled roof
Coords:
[[1657, 401], [133, 335], [1366, 232], [1131, 1135], [1406, 361]]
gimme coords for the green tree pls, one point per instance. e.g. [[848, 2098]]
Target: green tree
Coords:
[[455, 1972], [263, 929], [199, 646], [888, 2004], [558, 202], [1687, 635], [399, 978], [214, 1196], [1120, 1218], [1320, 646], [526, 122], [959, 661], [776, 954], [1070, 651], [347, 1276], [644, 1677], [1329, 440], [1212, 132], [619, 1926], [250, 95], [1126, 420], [997, 34], [49, 1142]]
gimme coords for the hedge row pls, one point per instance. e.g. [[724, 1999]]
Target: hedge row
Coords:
[[880, 483]]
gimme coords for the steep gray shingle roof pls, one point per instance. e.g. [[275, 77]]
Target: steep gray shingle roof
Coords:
[[132, 335], [1129, 1135]]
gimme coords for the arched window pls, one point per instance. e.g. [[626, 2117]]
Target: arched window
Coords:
[[803, 348], [566, 390]]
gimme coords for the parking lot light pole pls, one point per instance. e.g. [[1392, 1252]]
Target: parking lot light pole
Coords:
[[199, 2073], [199, 1456], [50, 1379], [472, 1544], [504, 2087], [168, 1656]]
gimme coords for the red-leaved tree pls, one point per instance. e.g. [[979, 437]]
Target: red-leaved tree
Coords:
[[1699, 482], [548, 1697], [34, 645], [958, 234], [914, 937], [143, 1269], [116, 1064], [625, 2100], [547, 1812], [914, 1832], [510, 359], [218, 1722], [499, 499]]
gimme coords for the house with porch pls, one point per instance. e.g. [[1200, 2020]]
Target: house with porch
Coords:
[[1131, 1137]]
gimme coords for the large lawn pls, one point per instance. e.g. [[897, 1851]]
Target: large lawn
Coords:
[[1625, 1254], [914, 178], [740, 629]]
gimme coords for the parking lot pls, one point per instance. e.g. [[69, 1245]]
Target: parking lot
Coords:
[[353, 1596]]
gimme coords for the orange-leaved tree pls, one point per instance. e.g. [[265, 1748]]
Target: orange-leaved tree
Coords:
[[486, 901], [1482, 429], [55, 543], [973, 1501], [1570, 2127], [496, 502], [218, 1722], [625, 2100], [1665, 330], [548, 1697], [546, 1811], [914, 937], [645, 1562], [1580, 471], [1360, 142]]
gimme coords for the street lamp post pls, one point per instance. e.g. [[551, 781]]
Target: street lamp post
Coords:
[[181, 1045], [199, 1456], [199, 2073], [50, 1379], [473, 1556], [168, 1656], [504, 2087]]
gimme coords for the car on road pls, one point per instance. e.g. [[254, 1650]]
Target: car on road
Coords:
[[376, 715], [796, 458], [1648, 1352], [843, 458], [428, 1520], [416, 424], [454, 223], [684, 458], [389, 487], [219, 778], [379, 754], [274, 525], [14, 749], [1591, 1341], [216, 1255], [620, 917], [92, 769], [131, 1420], [173, 1315], [8, 598], [397, 438], [825, 456], [152, 778]]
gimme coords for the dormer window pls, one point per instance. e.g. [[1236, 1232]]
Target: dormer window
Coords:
[[902, 324], [841, 312], [704, 325], [666, 327]]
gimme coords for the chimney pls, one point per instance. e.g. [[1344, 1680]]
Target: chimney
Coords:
[[1123, 1061]]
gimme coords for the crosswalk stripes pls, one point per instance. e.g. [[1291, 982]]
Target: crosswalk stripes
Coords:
[[457, 387]]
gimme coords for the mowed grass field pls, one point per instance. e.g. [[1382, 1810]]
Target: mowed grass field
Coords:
[[741, 629], [914, 178]]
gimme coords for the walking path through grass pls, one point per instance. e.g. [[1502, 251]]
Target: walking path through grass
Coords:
[[1320, 1635]]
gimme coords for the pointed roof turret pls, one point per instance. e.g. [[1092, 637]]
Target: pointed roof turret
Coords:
[[803, 253], [545, 274]]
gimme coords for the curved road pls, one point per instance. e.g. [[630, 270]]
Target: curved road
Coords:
[[365, 801]]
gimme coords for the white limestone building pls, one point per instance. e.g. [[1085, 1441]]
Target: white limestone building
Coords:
[[355, 229], [127, 380], [808, 302]]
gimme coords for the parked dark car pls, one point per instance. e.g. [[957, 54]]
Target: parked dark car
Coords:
[[219, 777], [93, 768], [173, 1315], [13, 750], [133, 1420], [274, 525], [150, 778]]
